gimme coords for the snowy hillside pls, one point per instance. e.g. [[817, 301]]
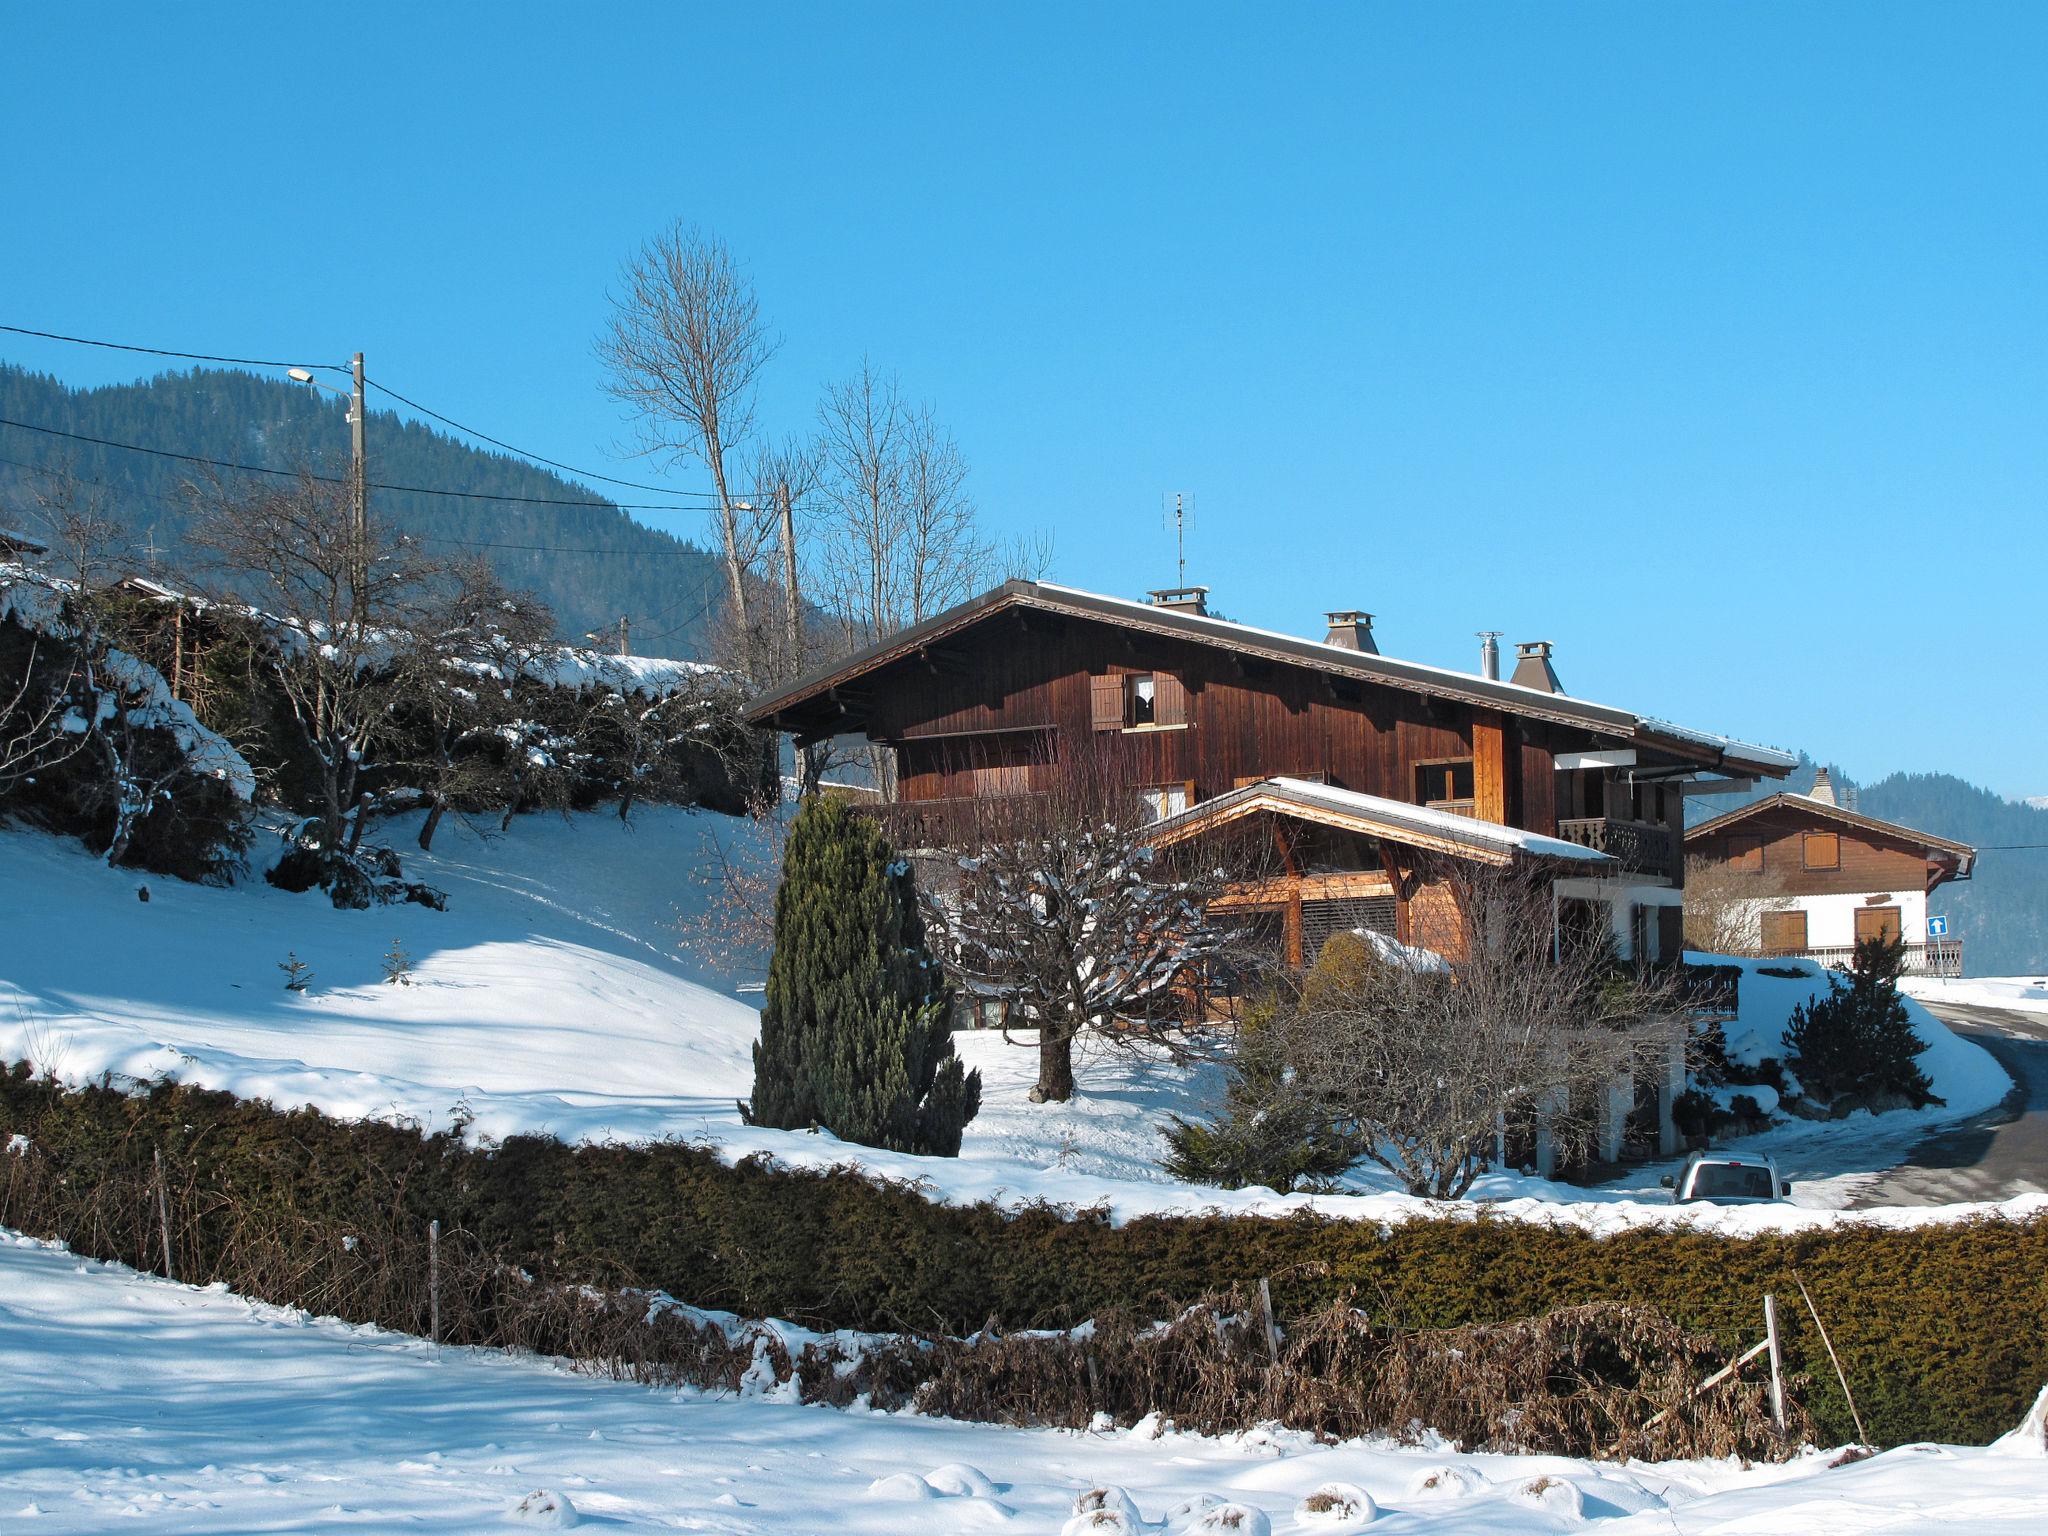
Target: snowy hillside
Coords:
[[551, 997], [134, 1404]]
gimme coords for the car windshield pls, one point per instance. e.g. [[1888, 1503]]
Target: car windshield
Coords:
[[1731, 1181]]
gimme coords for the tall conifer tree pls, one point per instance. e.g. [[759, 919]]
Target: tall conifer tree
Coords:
[[855, 1033]]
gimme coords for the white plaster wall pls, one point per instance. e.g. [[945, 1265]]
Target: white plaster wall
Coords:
[[1831, 920], [1621, 897]]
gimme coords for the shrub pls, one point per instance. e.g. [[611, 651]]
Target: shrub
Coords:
[[1937, 1326], [856, 1027], [1855, 1047]]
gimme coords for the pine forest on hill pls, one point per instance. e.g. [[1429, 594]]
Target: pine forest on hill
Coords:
[[590, 563]]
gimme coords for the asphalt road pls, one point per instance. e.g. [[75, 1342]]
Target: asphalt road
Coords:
[[1995, 1155]]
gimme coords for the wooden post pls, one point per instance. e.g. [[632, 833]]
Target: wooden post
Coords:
[[434, 1282], [1094, 1381], [1833, 1358], [1777, 1362], [1489, 767], [163, 1209], [1272, 1329]]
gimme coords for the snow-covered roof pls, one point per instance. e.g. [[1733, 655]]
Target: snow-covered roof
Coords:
[[15, 540], [652, 677], [1397, 820], [1730, 754]]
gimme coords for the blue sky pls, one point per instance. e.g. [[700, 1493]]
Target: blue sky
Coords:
[[1705, 341]]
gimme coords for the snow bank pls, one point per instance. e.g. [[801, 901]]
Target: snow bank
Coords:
[[551, 997], [2028, 994]]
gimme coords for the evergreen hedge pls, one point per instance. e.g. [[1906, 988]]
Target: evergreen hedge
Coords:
[[1941, 1327]]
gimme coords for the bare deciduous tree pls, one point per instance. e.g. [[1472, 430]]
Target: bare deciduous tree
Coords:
[[1725, 907], [341, 611], [1419, 1062], [1060, 907], [683, 349]]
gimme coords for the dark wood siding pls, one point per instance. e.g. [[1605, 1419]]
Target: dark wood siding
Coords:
[[1772, 845]]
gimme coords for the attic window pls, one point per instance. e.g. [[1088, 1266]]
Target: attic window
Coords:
[[1142, 705], [1821, 850]]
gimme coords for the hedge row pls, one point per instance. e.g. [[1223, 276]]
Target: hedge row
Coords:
[[1940, 1328]]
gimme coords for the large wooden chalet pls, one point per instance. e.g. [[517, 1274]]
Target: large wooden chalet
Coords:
[[1372, 769]]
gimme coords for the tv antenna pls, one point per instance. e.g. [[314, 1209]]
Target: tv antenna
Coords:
[[1180, 517]]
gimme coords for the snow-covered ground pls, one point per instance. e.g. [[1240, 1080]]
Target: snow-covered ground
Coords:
[[133, 1404], [551, 996], [2026, 993]]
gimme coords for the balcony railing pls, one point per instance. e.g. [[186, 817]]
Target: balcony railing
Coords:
[[956, 823], [1936, 957], [1640, 847]]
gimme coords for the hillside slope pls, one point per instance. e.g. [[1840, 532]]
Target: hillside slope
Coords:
[[590, 563]]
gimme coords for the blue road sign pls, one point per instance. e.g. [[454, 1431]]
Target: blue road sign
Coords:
[[1937, 927]]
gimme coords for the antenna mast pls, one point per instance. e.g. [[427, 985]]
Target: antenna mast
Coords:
[[1183, 516]]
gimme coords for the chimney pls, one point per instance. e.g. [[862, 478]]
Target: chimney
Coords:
[[1489, 655], [1352, 630], [1823, 788], [1533, 669], [1181, 599]]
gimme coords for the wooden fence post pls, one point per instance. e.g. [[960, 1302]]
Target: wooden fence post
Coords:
[[1777, 1362], [1272, 1329], [1833, 1358], [434, 1283], [163, 1209]]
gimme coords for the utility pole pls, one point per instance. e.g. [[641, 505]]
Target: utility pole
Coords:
[[626, 636], [792, 605], [359, 473]]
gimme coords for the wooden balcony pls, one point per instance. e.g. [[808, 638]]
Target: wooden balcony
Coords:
[[1641, 847], [930, 824]]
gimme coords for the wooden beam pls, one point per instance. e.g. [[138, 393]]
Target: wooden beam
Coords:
[[1353, 885], [1490, 767]]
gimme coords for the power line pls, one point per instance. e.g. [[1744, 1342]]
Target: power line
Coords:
[[196, 357], [678, 548], [447, 421], [375, 485], [537, 458]]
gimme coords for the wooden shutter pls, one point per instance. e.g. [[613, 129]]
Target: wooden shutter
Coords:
[[1169, 700], [1106, 702], [1670, 934], [1877, 923], [1784, 933], [1821, 850]]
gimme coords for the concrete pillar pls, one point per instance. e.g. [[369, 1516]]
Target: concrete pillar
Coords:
[[1615, 1103], [1670, 1084], [1546, 1139]]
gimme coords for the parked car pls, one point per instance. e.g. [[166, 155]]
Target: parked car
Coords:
[[1727, 1178]]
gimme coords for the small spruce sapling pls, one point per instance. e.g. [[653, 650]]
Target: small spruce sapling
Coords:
[[297, 974], [397, 965]]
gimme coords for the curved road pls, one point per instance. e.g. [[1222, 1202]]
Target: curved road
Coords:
[[1995, 1155]]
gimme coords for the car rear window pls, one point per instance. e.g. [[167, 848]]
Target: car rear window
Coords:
[[1731, 1181]]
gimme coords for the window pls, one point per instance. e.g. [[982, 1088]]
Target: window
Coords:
[[1137, 701], [1164, 800], [1784, 933], [1745, 853], [1821, 850], [1142, 706], [1445, 785], [1877, 923]]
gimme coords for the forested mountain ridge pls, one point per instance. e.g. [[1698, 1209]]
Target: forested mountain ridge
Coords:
[[591, 563], [2001, 913]]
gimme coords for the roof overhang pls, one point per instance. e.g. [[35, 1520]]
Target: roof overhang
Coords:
[[828, 700], [1936, 850], [1393, 821]]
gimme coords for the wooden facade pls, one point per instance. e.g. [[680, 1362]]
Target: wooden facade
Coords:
[[996, 698]]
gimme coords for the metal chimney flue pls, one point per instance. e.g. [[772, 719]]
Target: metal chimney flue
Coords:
[[1489, 654], [1351, 628], [1533, 668]]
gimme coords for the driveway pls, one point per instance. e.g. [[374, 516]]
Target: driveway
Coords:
[[1997, 1154]]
